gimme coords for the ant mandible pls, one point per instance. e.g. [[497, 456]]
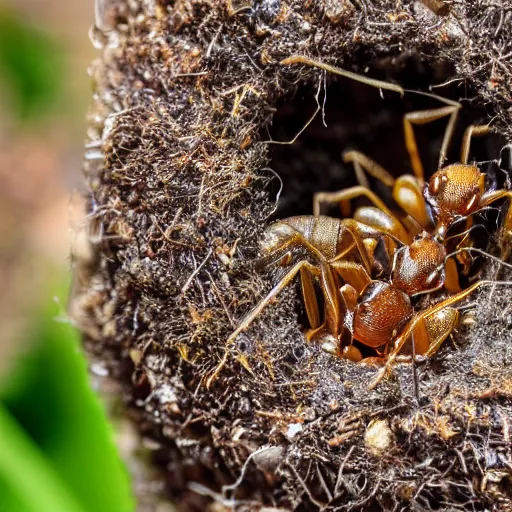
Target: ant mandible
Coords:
[[379, 313]]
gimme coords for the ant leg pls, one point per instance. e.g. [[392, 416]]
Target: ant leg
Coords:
[[300, 59], [381, 221], [430, 332], [506, 235], [464, 258], [473, 130], [334, 308], [408, 194], [335, 305], [311, 334], [423, 117], [386, 225], [285, 247], [310, 301], [354, 228], [352, 273], [329, 285], [350, 296], [433, 310], [346, 225], [337, 348], [346, 195], [360, 234], [249, 318], [363, 163], [406, 191], [439, 326], [451, 281], [494, 195]]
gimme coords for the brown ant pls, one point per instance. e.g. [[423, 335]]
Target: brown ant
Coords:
[[379, 313]]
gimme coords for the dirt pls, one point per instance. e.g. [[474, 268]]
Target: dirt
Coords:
[[187, 96]]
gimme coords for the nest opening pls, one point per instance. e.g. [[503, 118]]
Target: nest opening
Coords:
[[351, 115], [356, 116]]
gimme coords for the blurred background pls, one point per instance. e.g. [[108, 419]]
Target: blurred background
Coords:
[[57, 450], [44, 94]]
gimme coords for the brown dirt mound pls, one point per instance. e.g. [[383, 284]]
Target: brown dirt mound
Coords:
[[187, 96]]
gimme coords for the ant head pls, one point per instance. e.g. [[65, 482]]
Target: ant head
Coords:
[[419, 267], [454, 191]]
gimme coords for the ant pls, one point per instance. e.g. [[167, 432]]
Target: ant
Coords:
[[378, 313]]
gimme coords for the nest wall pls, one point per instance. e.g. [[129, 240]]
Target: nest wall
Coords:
[[186, 97]]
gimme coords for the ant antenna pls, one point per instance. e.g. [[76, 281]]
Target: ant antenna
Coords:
[[481, 253], [379, 84], [446, 101], [465, 217], [478, 251], [394, 238], [416, 223], [467, 231]]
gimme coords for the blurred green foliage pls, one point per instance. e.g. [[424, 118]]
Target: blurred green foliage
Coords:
[[57, 452], [56, 448], [31, 66]]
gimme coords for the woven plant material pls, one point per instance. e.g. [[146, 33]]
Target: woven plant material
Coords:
[[187, 96]]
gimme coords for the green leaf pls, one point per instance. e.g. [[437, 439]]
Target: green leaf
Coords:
[[50, 397], [31, 64], [27, 482]]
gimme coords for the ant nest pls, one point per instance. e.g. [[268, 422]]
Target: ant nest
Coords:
[[210, 122]]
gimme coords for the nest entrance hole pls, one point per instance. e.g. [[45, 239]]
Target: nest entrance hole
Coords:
[[358, 116]]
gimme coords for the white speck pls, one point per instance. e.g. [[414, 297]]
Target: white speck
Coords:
[[293, 430], [166, 394], [378, 437], [99, 370]]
